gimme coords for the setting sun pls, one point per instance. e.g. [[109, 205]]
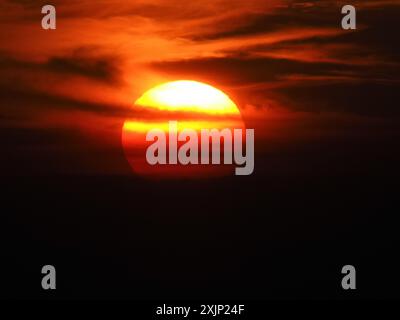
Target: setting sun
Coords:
[[194, 105]]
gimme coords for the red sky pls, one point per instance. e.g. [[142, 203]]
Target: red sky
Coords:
[[295, 74]]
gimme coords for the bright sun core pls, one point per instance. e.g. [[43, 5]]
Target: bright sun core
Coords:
[[186, 95]]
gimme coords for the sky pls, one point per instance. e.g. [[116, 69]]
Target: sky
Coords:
[[324, 104], [307, 86]]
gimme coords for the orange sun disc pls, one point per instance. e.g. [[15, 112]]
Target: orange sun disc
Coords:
[[193, 105]]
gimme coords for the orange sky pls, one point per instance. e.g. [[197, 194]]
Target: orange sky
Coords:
[[280, 60]]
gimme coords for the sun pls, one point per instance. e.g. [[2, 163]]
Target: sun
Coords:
[[194, 105], [186, 95]]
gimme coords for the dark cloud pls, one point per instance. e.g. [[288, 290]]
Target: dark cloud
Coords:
[[376, 34], [242, 70], [370, 99], [301, 85], [22, 99], [287, 17], [101, 68], [22, 102]]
